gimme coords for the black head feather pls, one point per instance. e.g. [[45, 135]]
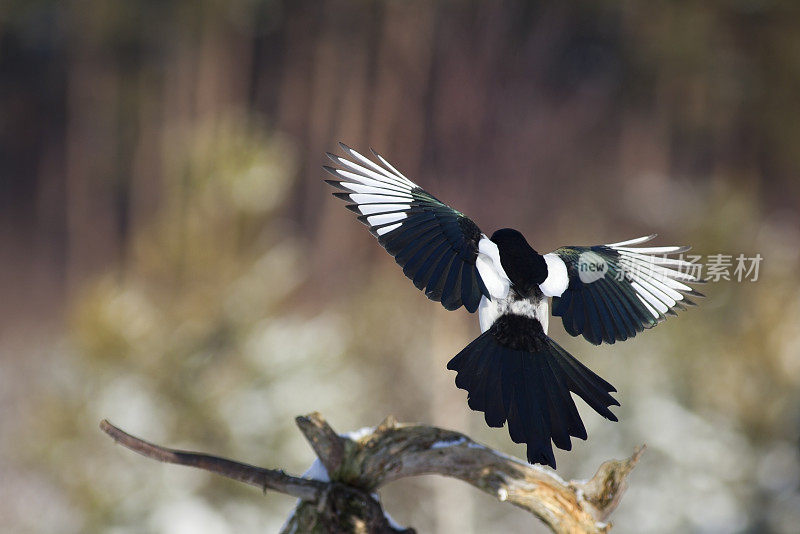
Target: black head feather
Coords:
[[524, 266]]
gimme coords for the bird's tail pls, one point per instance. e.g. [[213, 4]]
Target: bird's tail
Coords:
[[513, 372]]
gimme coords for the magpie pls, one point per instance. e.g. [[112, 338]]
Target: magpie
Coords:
[[513, 372]]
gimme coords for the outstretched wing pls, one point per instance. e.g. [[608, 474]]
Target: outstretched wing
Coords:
[[615, 291], [437, 246]]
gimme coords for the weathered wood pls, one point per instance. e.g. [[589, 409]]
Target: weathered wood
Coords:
[[346, 502], [327, 444], [399, 451], [273, 479]]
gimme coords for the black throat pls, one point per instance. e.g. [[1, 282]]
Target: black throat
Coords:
[[524, 266]]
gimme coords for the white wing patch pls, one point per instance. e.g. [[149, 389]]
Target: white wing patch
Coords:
[[385, 218], [387, 229], [654, 278], [369, 209], [491, 270], [388, 171], [557, 278], [381, 194], [379, 198]]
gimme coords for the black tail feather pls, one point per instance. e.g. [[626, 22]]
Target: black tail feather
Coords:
[[493, 409], [527, 380]]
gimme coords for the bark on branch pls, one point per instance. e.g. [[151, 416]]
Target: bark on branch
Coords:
[[358, 466], [307, 490]]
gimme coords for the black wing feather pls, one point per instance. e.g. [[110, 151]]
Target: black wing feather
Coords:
[[641, 287], [436, 245]]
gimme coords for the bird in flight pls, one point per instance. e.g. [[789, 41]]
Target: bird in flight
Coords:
[[513, 372]]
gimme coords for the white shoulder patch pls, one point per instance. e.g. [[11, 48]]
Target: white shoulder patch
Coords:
[[557, 278], [491, 270]]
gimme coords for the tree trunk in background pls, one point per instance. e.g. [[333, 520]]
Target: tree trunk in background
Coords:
[[463, 97]]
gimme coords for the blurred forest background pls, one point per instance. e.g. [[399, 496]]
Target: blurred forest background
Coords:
[[171, 260]]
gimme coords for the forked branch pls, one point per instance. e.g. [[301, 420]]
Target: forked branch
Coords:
[[358, 466]]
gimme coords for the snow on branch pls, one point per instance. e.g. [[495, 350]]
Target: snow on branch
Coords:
[[341, 496]]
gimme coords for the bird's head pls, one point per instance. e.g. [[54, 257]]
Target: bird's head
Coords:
[[524, 266]]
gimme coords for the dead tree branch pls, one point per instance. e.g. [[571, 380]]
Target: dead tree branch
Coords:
[[346, 502], [307, 490]]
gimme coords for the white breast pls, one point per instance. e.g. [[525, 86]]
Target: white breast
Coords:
[[490, 310]]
